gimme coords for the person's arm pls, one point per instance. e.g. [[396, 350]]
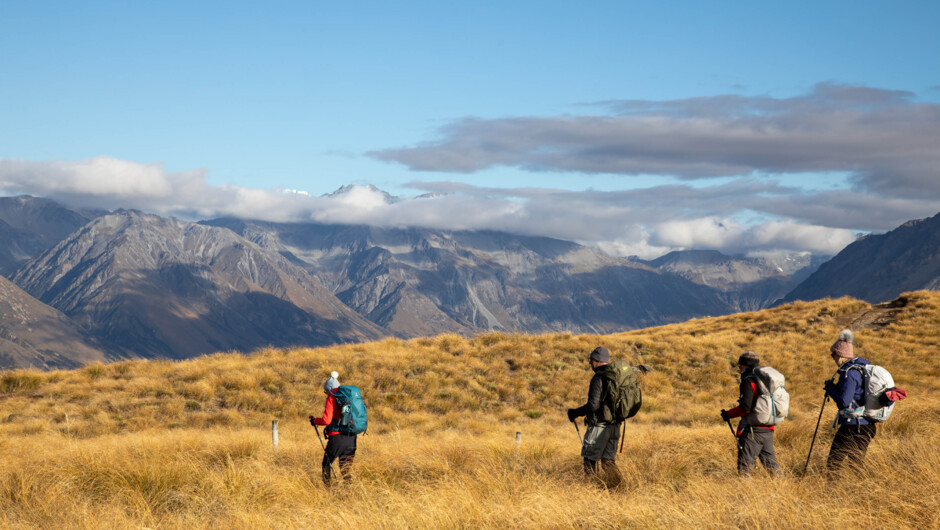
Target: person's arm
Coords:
[[745, 401], [327, 417], [845, 389], [594, 399]]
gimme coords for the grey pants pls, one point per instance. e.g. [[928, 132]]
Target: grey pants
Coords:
[[600, 444], [600, 441], [754, 443]]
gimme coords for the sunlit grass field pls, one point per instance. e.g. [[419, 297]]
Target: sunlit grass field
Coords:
[[188, 444]]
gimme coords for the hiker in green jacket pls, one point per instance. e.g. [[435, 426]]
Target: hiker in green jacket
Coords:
[[600, 438]]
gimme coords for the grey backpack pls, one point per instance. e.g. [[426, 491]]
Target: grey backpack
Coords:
[[875, 380], [773, 402]]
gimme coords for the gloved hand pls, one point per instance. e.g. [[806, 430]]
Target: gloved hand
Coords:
[[311, 421], [829, 387], [724, 415], [572, 415]]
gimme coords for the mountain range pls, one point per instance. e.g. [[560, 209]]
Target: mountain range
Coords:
[[87, 285], [417, 281], [157, 286], [876, 268]]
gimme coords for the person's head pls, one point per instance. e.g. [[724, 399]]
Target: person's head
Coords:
[[599, 357], [332, 383], [842, 350], [748, 361]]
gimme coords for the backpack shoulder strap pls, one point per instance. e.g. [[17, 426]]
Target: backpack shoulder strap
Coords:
[[861, 371], [865, 375], [756, 380]]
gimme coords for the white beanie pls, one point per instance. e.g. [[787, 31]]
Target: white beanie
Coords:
[[332, 383]]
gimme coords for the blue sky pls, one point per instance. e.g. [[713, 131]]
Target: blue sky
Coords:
[[635, 127]]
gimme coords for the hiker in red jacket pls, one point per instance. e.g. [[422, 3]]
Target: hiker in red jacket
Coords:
[[339, 446], [754, 441]]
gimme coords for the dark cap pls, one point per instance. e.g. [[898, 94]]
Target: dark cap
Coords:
[[749, 358], [600, 354]]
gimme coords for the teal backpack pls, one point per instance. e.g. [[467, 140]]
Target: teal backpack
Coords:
[[351, 409]]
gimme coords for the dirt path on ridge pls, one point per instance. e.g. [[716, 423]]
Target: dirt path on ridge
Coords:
[[875, 317]]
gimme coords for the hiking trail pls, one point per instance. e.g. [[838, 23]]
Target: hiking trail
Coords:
[[876, 317]]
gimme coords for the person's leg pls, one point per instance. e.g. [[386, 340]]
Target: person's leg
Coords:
[[347, 455], [345, 466], [339, 447], [851, 444], [590, 467], [593, 447], [328, 457], [748, 449], [861, 437], [612, 475], [766, 455]]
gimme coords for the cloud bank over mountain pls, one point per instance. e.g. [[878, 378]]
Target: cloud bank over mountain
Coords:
[[730, 159], [883, 138]]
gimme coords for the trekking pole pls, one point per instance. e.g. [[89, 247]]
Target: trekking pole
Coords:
[[324, 449], [732, 429], [579, 432], [623, 435], [318, 437], [814, 433]]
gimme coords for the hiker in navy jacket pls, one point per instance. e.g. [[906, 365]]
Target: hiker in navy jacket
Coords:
[[754, 440], [855, 432]]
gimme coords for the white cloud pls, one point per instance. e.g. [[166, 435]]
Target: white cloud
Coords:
[[787, 234], [701, 233], [644, 222], [100, 176]]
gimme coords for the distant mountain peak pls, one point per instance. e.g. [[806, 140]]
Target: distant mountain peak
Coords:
[[351, 189], [879, 267]]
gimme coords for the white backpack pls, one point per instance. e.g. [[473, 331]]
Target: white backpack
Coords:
[[875, 381], [773, 403]]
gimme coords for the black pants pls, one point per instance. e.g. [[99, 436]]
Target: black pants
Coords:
[[851, 442], [754, 443], [339, 447]]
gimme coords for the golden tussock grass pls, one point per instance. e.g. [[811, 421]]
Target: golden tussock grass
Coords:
[[188, 444]]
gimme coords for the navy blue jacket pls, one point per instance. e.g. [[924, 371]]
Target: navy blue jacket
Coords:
[[849, 392]]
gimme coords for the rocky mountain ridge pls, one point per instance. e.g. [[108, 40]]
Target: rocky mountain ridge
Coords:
[[419, 281], [746, 284], [158, 286], [32, 334], [877, 268], [30, 225], [130, 284]]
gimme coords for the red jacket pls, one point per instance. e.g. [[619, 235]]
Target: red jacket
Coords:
[[749, 393], [327, 417]]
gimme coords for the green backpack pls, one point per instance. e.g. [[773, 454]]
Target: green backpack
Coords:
[[622, 397]]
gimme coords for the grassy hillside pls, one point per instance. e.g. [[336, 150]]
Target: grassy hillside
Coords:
[[188, 444]]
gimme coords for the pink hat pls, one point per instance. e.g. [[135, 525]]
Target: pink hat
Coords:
[[842, 347]]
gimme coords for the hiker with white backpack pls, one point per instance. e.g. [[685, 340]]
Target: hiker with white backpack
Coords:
[[865, 395], [763, 403]]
